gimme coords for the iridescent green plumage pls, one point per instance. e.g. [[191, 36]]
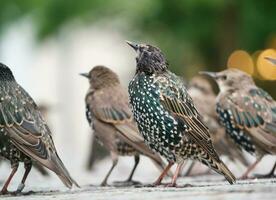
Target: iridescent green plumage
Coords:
[[166, 116]]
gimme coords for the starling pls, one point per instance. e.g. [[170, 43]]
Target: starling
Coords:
[[24, 135], [109, 114], [271, 60], [248, 114], [167, 117], [202, 93]]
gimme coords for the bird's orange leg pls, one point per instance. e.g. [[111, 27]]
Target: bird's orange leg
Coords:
[[163, 174], [249, 169], [7, 183], [175, 176]]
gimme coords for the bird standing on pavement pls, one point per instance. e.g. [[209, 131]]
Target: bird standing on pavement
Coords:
[[204, 98], [166, 115], [24, 135], [248, 113], [108, 113]]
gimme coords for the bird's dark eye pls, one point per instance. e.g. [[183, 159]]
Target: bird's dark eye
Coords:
[[224, 77]]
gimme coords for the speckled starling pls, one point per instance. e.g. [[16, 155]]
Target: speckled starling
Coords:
[[247, 112], [24, 135], [109, 114], [166, 115], [271, 60], [204, 98]]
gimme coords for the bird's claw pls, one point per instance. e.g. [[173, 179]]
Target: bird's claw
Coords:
[[20, 187], [104, 185], [171, 185], [126, 183], [245, 178], [6, 192]]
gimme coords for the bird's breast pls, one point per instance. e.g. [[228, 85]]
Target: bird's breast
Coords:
[[158, 128]]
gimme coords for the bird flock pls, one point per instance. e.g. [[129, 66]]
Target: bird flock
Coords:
[[160, 117]]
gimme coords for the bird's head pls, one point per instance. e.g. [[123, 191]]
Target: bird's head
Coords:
[[5, 73], [202, 84], [149, 59], [230, 79], [101, 76]]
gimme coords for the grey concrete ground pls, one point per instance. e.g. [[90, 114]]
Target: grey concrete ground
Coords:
[[207, 187], [203, 187]]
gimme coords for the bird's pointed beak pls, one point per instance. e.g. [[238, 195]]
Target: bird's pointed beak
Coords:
[[271, 60], [210, 74], [133, 45], [86, 75]]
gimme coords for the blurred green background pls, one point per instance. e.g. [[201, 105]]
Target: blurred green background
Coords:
[[192, 33]]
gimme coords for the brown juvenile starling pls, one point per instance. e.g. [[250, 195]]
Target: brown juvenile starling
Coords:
[[203, 95], [24, 135], [166, 115], [248, 113], [108, 113]]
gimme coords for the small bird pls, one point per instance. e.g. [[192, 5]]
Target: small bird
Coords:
[[248, 113], [109, 114], [271, 60], [24, 135], [167, 117], [202, 93]]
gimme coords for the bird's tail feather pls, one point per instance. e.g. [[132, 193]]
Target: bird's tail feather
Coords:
[[221, 168], [53, 162], [217, 165], [62, 172]]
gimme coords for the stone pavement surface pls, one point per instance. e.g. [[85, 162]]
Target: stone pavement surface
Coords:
[[207, 187]]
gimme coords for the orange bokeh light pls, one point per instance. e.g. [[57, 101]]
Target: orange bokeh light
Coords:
[[265, 68], [241, 60]]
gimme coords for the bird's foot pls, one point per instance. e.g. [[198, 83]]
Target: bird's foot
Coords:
[[269, 175], [6, 192], [245, 178], [126, 183], [171, 185], [178, 186], [20, 187], [104, 184]]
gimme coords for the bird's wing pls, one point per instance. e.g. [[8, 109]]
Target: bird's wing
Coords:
[[26, 128], [254, 111], [114, 110], [18, 113], [177, 101]]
